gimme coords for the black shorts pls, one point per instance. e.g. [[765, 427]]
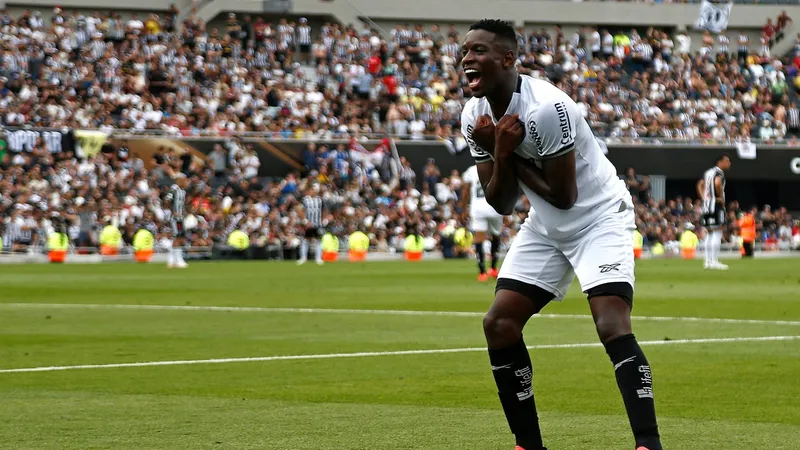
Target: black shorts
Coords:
[[313, 232], [305, 48], [715, 219], [177, 229]]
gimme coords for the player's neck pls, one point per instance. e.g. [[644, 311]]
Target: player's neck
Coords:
[[500, 100]]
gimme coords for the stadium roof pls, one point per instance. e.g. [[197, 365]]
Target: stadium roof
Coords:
[[520, 11]]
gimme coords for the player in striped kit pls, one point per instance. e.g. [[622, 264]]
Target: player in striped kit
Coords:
[[177, 197], [483, 219], [711, 190], [313, 208]]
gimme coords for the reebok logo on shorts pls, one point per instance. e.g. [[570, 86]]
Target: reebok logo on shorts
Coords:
[[605, 268]]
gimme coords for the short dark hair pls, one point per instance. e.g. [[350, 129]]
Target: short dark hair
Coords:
[[721, 158], [501, 28]]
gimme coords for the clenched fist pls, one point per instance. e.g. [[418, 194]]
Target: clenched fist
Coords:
[[508, 134], [483, 134]]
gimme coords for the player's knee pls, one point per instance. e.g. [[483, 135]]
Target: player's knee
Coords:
[[501, 331], [612, 325]]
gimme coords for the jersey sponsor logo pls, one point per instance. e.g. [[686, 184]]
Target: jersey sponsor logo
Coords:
[[563, 121], [471, 141], [606, 268], [537, 139]]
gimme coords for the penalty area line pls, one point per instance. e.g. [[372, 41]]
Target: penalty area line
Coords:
[[376, 354], [385, 312]]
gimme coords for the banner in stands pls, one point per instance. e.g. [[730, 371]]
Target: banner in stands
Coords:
[[278, 157], [90, 141], [56, 140], [714, 16]]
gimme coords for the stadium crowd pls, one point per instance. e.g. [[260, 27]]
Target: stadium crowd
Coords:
[[286, 79], [386, 201], [98, 71]]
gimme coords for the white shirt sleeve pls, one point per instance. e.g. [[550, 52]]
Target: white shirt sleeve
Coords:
[[470, 175], [552, 128], [468, 120]]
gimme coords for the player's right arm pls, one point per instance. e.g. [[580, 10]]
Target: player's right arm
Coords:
[[701, 188], [496, 173]]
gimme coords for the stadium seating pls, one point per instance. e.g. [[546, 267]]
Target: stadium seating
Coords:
[[148, 74]]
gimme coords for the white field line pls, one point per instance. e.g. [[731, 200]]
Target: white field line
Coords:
[[388, 312], [372, 354]]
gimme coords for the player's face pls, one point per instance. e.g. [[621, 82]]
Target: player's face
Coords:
[[484, 62], [725, 164]]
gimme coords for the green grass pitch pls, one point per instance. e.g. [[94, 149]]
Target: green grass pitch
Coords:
[[728, 391]]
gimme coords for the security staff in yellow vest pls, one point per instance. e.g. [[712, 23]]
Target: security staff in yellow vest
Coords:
[[689, 242], [657, 249], [239, 240], [57, 242], [110, 239], [330, 247], [638, 244], [143, 243], [358, 246], [463, 240], [414, 246]]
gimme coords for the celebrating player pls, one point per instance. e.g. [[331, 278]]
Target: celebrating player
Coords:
[[526, 133], [483, 219], [712, 190]]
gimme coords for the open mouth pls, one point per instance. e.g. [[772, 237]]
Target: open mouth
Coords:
[[473, 77]]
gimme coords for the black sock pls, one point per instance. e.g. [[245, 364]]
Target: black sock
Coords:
[[636, 385], [513, 374], [481, 257], [495, 250]]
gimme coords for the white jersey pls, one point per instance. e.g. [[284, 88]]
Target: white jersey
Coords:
[[710, 194], [477, 199], [554, 126]]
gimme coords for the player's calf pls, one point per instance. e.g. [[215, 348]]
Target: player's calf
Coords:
[[611, 309], [511, 363]]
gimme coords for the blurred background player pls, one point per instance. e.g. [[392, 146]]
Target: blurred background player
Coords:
[[712, 190], [177, 197], [313, 209], [483, 219]]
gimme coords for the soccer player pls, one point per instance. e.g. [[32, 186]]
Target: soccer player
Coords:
[[177, 197], [313, 207], [712, 190], [484, 219], [526, 133]]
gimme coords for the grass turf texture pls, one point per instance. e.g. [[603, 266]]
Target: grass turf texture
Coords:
[[729, 396]]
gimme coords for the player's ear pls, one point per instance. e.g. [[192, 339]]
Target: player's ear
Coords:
[[510, 59]]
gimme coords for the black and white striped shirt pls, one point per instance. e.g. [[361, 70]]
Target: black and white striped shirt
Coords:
[[710, 195], [452, 50], [313, 208], [261, 59], [81, 38], [178, 202], [15, 234], [97, 49], [744, 42], [724, 42], [793, 118], [403, 37], [304, 35]]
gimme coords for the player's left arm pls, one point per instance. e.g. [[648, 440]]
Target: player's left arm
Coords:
[[552, 128]]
